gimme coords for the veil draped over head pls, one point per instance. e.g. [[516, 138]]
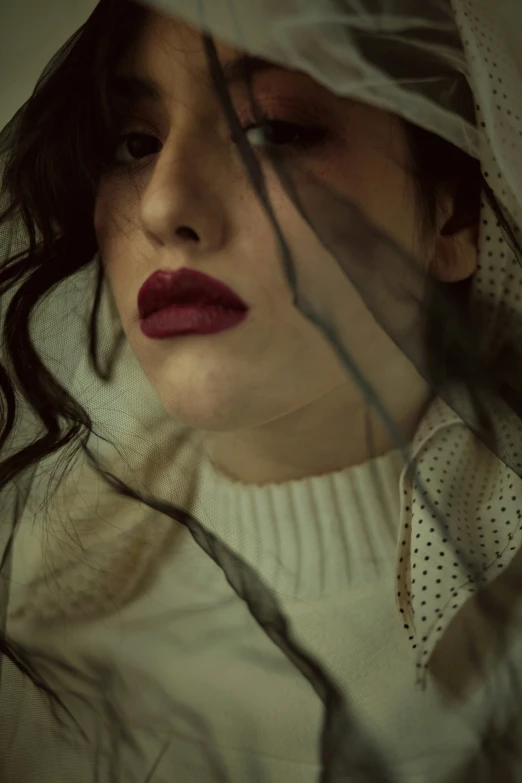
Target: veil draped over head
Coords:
[[99, 444]]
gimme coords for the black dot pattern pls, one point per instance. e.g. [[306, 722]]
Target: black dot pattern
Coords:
[[458, 531], [496, 82], [462, 508]]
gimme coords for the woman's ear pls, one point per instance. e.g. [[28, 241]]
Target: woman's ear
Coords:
[[456, 250]]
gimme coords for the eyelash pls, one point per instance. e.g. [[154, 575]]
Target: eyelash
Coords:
[[308, 137]]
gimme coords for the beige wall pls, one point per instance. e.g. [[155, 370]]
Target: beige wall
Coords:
[[31, 31]]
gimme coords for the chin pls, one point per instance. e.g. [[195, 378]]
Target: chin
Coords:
[[211, 414], [222, 398]]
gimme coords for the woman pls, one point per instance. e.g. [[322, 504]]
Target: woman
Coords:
[[319, 474]]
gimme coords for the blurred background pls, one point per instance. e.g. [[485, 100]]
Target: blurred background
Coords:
[[30, 33]]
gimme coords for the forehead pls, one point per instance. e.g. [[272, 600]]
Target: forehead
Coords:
[[167, 60], [166, 45]]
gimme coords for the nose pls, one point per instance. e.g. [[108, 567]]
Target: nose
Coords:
[[184, 202]]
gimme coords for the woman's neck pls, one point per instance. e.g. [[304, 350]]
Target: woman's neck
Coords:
[[331, 434]]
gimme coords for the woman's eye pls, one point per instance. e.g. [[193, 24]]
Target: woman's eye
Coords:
[[137, 145], [277, 133], [268, 135]]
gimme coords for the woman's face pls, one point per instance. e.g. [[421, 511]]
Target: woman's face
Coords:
[[188, 203]]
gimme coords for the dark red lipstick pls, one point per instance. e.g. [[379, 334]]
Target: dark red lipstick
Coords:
[[172, 304]]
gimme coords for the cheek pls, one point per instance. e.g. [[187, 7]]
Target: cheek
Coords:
[[116, 214], [325, 284], [369, 167]]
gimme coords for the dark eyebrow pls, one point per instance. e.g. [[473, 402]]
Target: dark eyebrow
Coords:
[[129, 88], [246, 65], [126, 88]]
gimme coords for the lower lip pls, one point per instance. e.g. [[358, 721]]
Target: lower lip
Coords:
[[179, 320]]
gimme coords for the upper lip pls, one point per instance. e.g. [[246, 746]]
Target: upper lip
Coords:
[[184, 286]]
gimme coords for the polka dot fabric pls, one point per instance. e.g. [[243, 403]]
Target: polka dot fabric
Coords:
[[462, 509], [495, 80], [460, 526]]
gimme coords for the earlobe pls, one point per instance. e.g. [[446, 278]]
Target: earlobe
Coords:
[[456, 255]]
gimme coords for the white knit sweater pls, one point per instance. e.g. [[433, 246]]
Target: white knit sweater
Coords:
[[198, 679]]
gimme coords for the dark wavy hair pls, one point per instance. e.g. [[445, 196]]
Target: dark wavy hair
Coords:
[[56, 152]]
